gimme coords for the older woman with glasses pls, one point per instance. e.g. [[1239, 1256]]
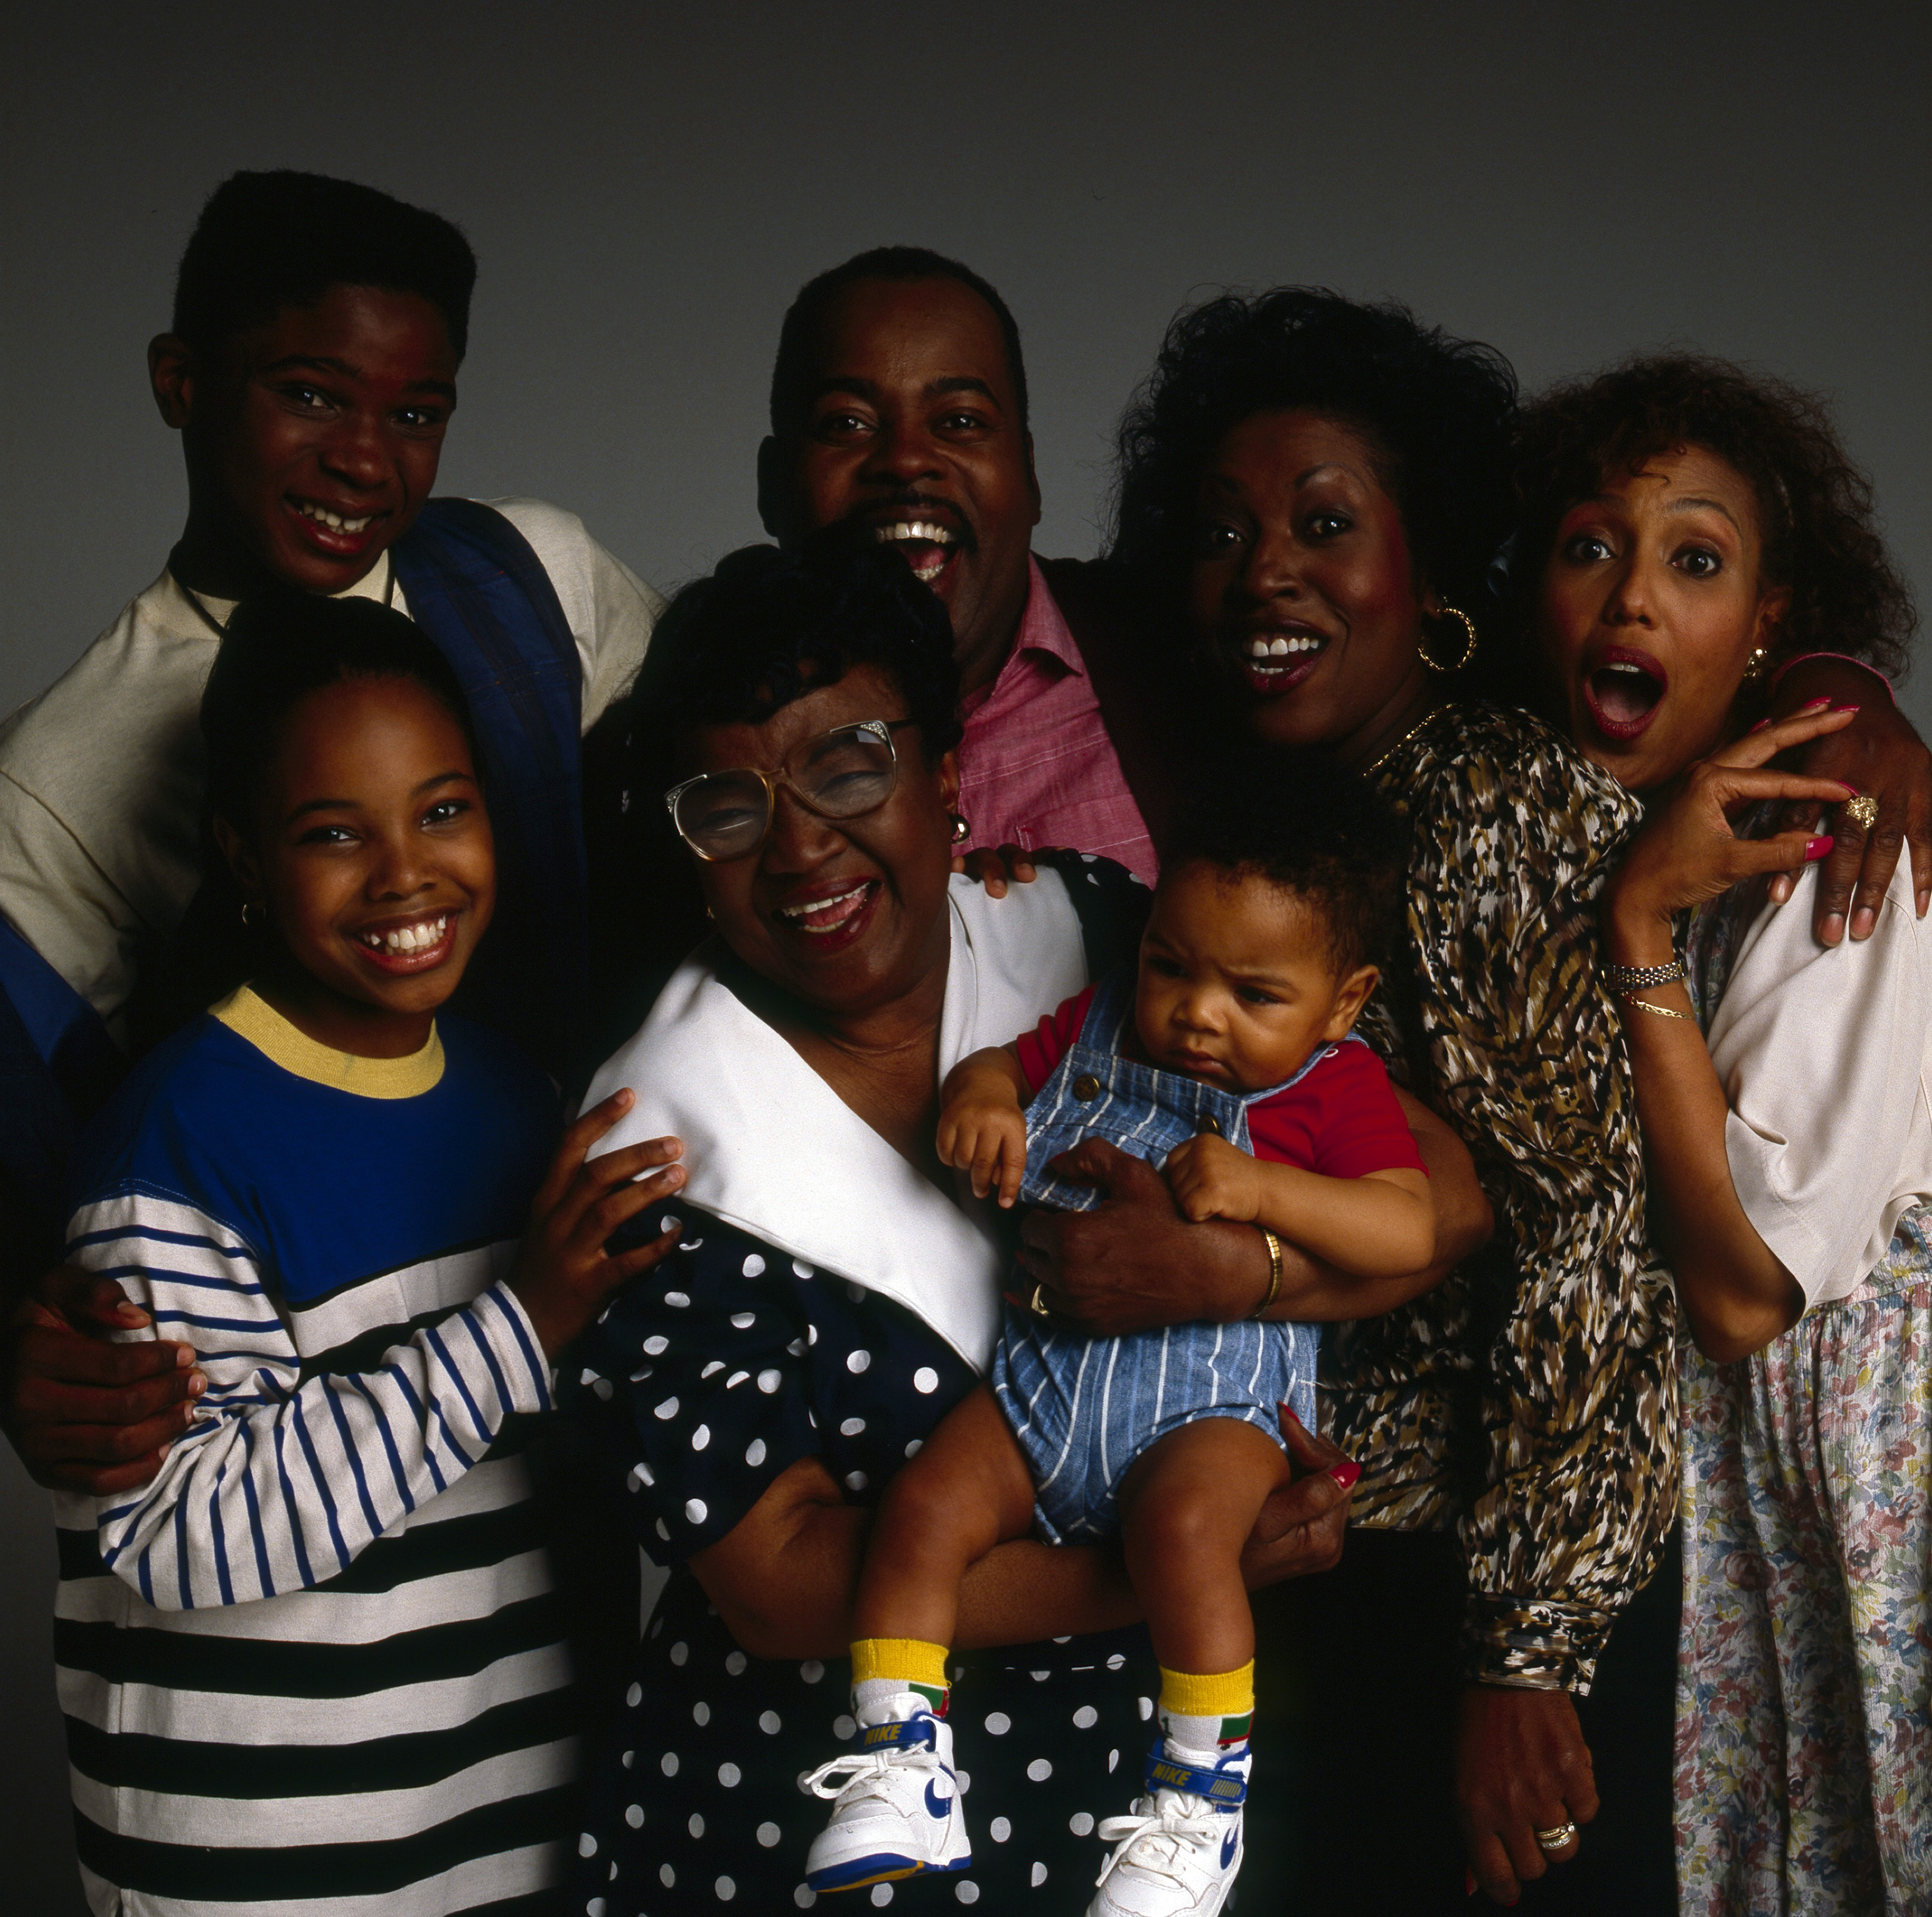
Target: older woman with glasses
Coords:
[[835, 1292]]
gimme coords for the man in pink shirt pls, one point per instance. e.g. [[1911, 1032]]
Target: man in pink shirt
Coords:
[[898, 401]]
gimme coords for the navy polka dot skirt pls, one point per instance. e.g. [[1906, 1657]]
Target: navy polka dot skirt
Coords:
[[707, 1379]]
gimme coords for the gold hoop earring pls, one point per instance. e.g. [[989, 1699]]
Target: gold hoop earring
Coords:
[[961, 831], [1756, 660], [1469, 651], [261, 916]]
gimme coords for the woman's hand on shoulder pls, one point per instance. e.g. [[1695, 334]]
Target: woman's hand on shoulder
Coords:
[[564, 1271], [1877, 752], [1688, 852], [996, 870]]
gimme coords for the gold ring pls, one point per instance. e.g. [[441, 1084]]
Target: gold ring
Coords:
[[1036, 1305], [1559, 1838], [1862, 810]]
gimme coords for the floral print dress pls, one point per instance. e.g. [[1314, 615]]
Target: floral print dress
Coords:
[[1803, 1750]]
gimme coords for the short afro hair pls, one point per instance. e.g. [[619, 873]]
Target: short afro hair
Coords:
[[281, 645], [1814, 507], [268, 241], [768, 626], [791, 371], [1303, 822], [1436, 411]]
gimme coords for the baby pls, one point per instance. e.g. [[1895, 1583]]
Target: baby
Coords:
[[1228, 1060]]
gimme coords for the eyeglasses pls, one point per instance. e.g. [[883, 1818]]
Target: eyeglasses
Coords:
[[843, 774]]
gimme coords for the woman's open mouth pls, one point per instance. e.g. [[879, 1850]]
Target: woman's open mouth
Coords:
[[403, 946], [832, 916], [1279, 659], [1623, 692]]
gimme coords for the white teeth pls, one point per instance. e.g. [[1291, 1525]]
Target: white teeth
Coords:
[[334, 521], [1279, 648], [913, 529], [1624, 665], [798, 912], [422, 937]]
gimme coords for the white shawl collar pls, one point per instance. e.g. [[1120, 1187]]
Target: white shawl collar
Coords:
[[771, 1148]]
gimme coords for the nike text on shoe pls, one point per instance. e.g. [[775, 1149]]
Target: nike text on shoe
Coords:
[[1177, 1854], [895, 1809]]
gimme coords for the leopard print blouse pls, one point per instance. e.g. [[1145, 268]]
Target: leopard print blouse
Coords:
[[1529, 1400]]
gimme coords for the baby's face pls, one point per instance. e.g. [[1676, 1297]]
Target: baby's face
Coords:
[[1238, 985]]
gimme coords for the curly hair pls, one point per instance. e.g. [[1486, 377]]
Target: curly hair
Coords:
[[1438, 412], [1308, 824], [1814, 507], [769, 625]]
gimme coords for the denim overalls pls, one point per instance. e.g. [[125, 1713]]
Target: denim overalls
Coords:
[[1083, 1409]]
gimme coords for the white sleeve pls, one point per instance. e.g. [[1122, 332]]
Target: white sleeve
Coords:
[[1819, 1050], [62, 904], [281, 1483], [610, 609]]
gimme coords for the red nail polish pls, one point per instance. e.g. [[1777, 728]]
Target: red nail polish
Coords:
[[1345, 1473], [1469, 1883], [1816, 848], [1759, 728], [1844, 708], [1291, 1417]]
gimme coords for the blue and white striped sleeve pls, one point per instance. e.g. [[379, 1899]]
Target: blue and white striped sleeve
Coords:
[[281, 1482]]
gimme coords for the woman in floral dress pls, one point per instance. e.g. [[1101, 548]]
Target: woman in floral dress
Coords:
[[1689, 528]]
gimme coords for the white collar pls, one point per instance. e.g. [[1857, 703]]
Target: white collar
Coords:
[[771, 1149]]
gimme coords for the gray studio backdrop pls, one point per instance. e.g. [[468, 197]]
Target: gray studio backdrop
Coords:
[[647, 185]]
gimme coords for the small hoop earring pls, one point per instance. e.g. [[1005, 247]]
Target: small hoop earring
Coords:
[[961, 831], [248, 906], [1756, 660], [1469, 651]]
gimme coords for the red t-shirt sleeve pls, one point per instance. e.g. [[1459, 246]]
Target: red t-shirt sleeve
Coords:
[[1343, 1121], [1049, 1042]]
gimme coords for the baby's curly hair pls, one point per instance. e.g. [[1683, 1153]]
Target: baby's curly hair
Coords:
[[1437, 411], [1814, 506], [1303, 822]]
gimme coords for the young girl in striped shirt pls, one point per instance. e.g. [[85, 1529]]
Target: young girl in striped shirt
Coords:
[[318, 1662]]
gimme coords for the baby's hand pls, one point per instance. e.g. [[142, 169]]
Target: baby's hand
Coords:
[[987, 1138], [1209, 1178]]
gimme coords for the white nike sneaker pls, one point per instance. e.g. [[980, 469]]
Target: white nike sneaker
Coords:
[[1178, 1852], [894, 1805]]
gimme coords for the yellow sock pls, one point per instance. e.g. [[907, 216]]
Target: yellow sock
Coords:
[[1208, 1714], [887, 1667]]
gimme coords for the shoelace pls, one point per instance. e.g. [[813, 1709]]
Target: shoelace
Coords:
[[1158, 1840], [858, 1766]]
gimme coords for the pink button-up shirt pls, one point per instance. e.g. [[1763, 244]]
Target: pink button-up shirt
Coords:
[[1036, 769]]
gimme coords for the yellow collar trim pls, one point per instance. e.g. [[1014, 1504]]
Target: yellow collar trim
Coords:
[[250, 1016]]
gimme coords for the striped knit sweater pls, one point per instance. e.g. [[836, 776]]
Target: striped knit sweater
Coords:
[[317, 1664]]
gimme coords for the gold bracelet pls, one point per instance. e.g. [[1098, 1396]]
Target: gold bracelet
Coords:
[[1655, 1011], [1275, 1267]]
